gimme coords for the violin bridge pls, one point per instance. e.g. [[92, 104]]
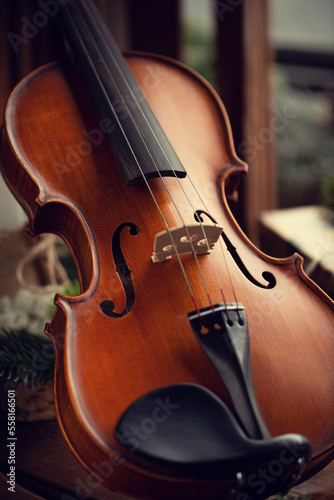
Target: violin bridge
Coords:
[[196, 238]]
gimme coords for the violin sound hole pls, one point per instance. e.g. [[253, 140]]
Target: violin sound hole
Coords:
[[107, 307], [124, 273], [266, 275]]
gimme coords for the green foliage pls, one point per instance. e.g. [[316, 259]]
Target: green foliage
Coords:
[[305, 145], [72, 289], [293, 496], [198, 50], [327, 190], [25, 359]]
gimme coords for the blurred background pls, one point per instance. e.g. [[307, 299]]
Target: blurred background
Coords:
[[272, 62]]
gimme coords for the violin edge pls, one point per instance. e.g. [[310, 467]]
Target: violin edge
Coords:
[[294, 260]]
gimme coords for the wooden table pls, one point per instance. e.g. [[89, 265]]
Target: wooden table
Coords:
[[308, 231], [46, 470]]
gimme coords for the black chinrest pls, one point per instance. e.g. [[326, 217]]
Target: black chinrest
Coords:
[[189, 429]]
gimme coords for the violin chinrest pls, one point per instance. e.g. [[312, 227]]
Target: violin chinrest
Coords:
[[189, 429]]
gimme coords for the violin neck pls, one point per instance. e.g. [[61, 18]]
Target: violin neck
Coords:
[[139, 144]]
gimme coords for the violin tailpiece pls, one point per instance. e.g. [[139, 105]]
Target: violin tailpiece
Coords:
[[223, 335]]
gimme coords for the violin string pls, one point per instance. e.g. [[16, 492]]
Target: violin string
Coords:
[[180, 184], [157, 169], [184, 192], [206, 239], [178, 211], [204, 281], [140, 169], [224, 256]]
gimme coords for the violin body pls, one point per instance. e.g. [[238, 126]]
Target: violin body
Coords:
[[59, 166]]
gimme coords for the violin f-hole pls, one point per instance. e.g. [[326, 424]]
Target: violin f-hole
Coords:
[[124, 273], [269, 277]]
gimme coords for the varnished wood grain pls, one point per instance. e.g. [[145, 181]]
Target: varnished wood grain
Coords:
[[104, 364]]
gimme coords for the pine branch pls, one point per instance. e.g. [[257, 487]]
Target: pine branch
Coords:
[[25, 359]]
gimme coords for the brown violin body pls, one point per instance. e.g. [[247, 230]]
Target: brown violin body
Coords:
[[63, 173]]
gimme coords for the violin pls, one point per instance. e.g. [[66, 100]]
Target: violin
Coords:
[[191, 365]]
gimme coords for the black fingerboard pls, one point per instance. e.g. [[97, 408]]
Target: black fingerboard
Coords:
[[138, 142]]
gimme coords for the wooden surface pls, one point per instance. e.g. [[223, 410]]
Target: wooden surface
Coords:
[[283, 343], [245, 56], [47, 470], [307, 230], [45, 464]]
